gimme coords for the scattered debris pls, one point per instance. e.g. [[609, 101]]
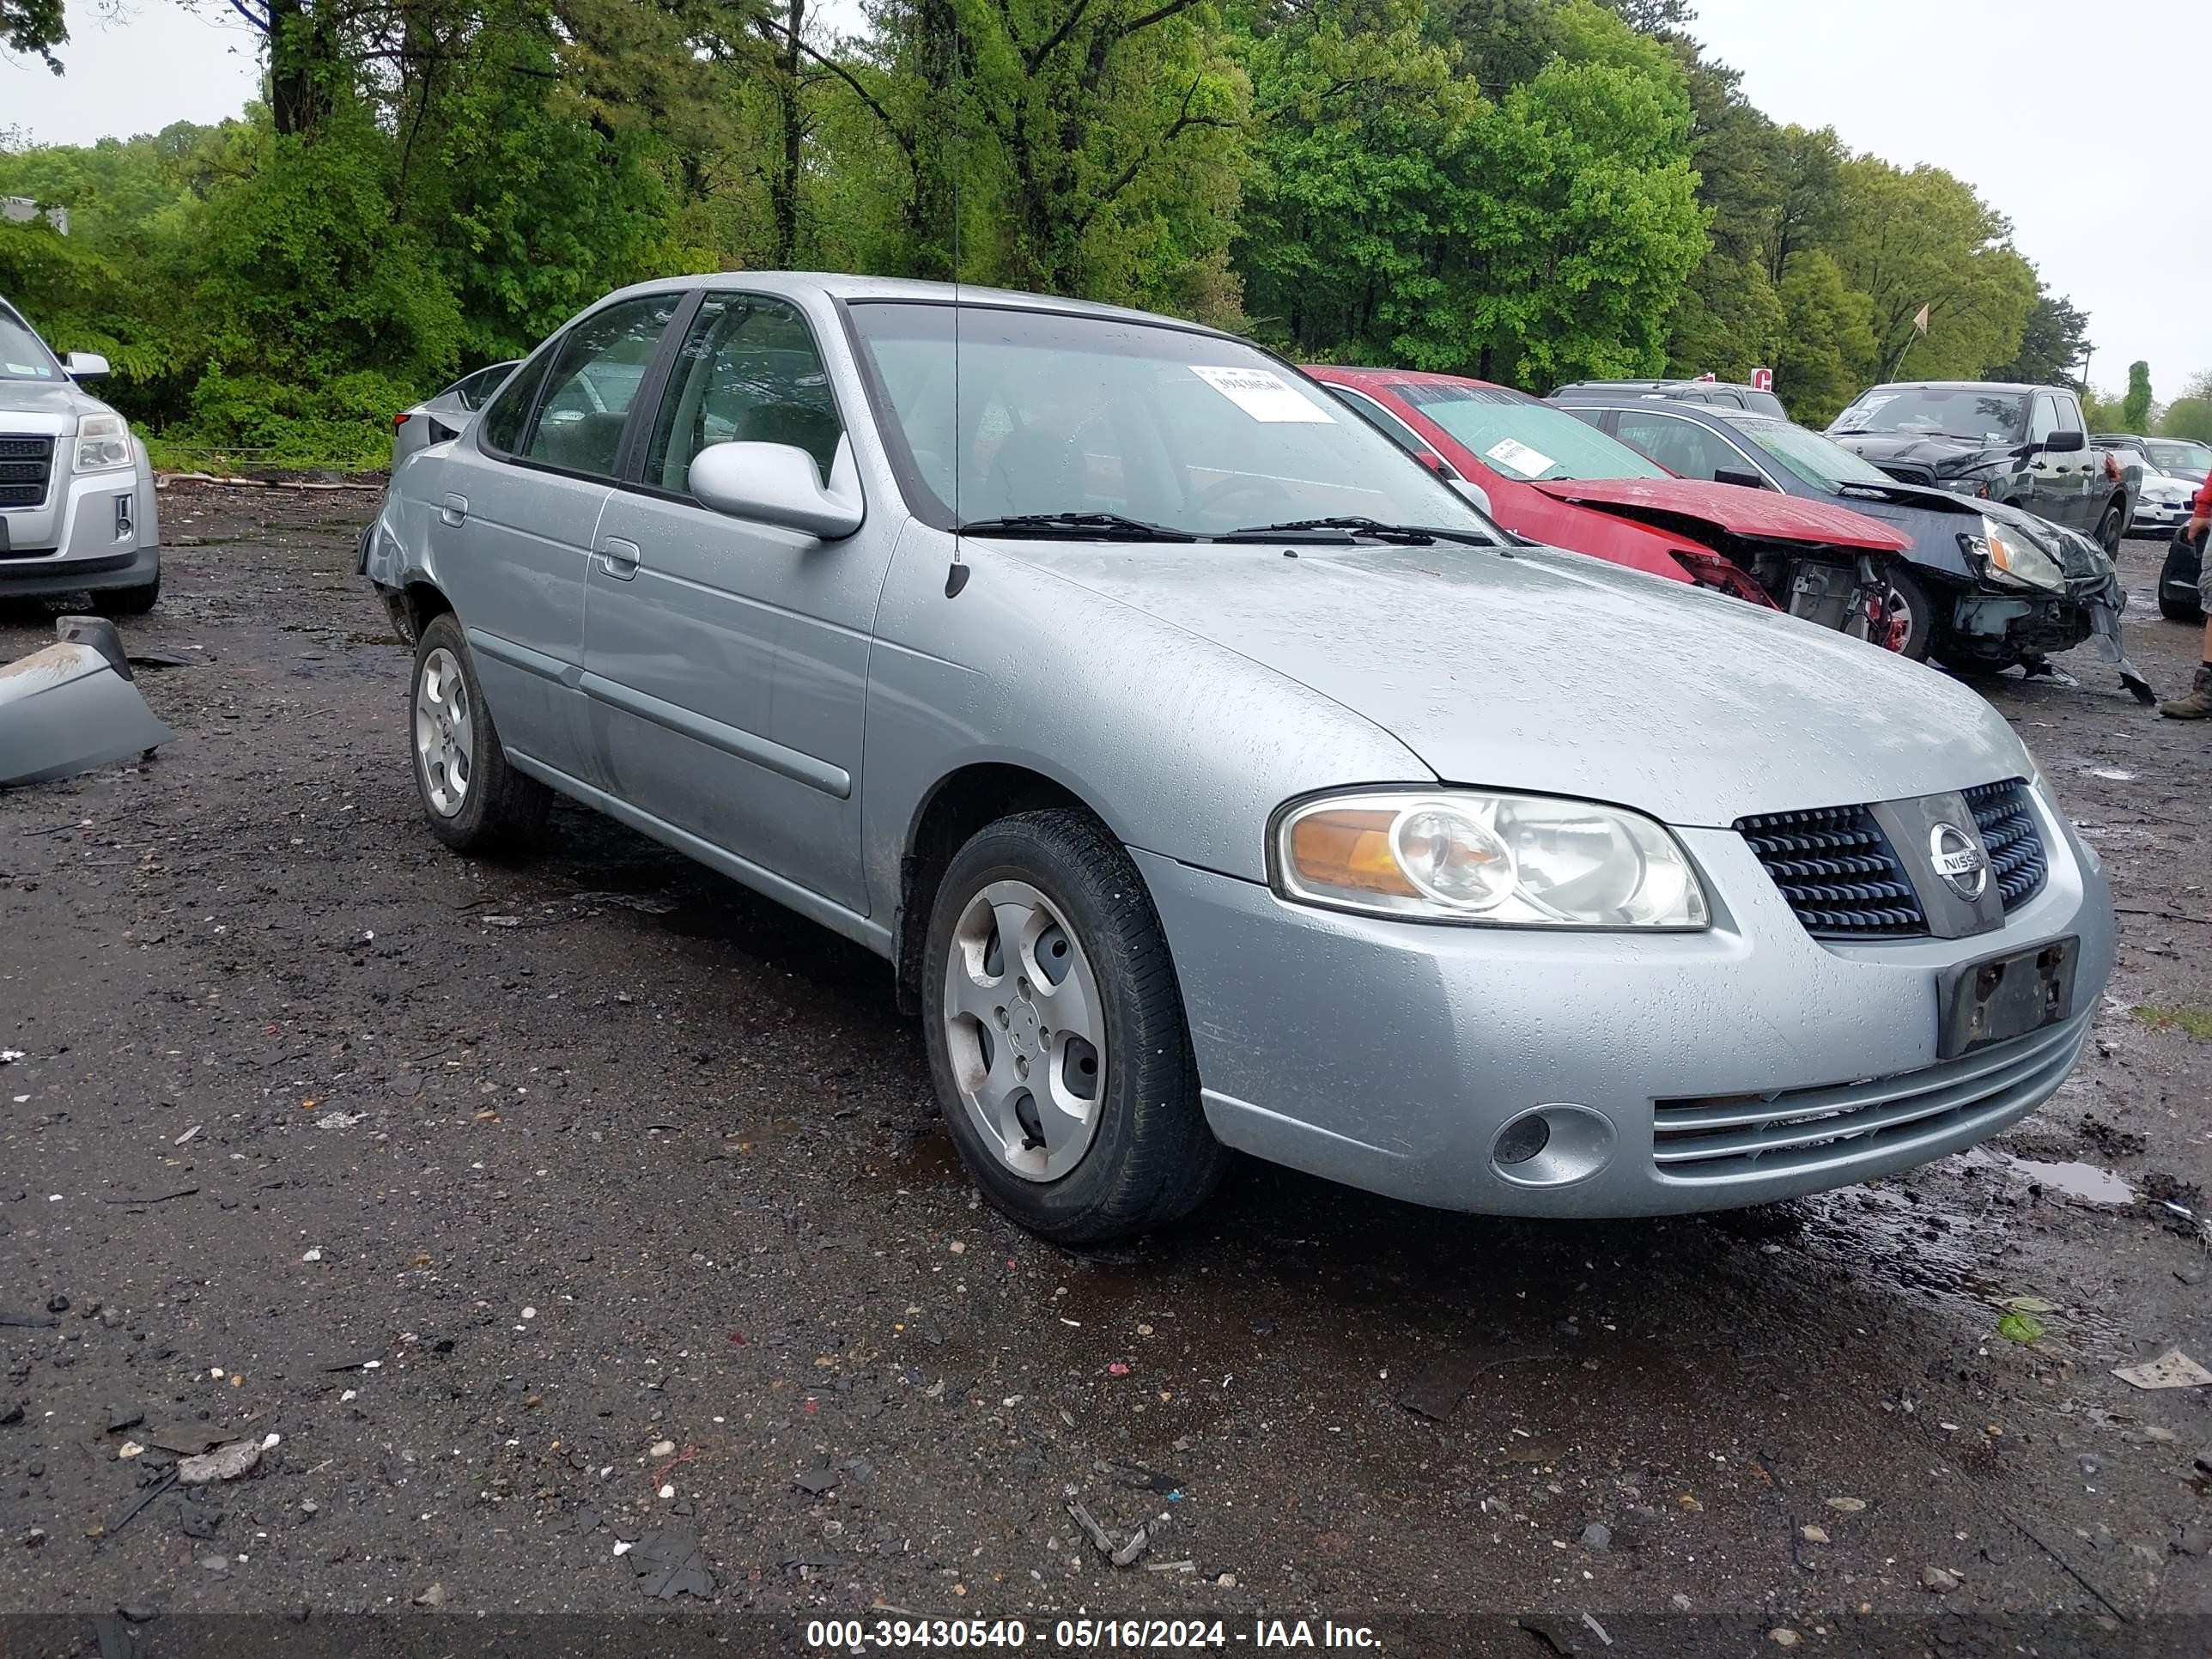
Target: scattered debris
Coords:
[[2170, 1370], [672, 1564], [199, 1520], [433, 1597], [1938, 1581], [185, 1439], [1597, 1538], [129, 1449], [29, 1322], [1814, 1535], [121, 1418], [224, 1463], [1846, 1505], [661, 1448], [152, 1198], [10, 1056], [1099, 1538], [339, 1120], [1783, 1636], [2021, 1328], [1597, 1629], [161, 1483], [816, 1481], [11, 1414], [187, 1136]]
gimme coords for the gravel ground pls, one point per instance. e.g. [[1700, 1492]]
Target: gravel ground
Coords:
[[545, 1209]]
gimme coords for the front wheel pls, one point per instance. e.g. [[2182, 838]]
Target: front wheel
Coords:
[[1054, 1027], [1907, 623]]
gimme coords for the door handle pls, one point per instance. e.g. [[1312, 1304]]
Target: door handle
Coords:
[[454, 510], [619, 558]]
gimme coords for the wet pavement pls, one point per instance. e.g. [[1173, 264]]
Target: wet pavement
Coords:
[[557, 1212]]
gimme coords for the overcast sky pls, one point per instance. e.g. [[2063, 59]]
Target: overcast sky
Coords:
[[2006, 94]]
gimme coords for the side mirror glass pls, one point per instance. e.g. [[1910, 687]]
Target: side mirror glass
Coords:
[[85, 366], [780, 484]]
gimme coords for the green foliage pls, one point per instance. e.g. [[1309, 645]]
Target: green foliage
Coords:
[[2053, 344], [2188, 418], [33, 26], [1532, 190], [2135, 408]]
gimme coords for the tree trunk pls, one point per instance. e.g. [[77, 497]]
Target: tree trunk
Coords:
[[302, 60], [783, 184]]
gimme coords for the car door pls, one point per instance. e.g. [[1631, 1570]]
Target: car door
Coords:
[[2053, 486], [519, 502], [726, 661]]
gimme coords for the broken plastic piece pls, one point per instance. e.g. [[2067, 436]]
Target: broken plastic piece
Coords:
[[68, 708]]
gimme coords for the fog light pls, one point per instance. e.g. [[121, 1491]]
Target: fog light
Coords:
[[125, 526], [1523, 1139], [1553, 1146]]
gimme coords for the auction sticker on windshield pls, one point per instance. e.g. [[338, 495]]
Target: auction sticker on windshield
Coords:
[[1263, 395], [1512, 452]]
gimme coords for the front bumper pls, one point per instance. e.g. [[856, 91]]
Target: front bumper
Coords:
[[1388, 1055], [41, 578], [2158, 518]]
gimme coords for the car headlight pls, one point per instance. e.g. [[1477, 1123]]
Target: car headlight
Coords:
[[2006, 556], [1489, 859], [103, 444]]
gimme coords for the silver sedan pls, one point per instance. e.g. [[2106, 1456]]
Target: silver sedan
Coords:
[[1212, 776]]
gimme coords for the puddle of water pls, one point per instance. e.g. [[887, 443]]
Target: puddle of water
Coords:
[[2083, 1181]]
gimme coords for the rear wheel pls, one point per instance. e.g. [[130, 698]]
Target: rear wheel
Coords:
[[2110, 527], [475, 800], [1056, 1033]]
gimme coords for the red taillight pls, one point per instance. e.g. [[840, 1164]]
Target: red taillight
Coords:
[[401, 419]]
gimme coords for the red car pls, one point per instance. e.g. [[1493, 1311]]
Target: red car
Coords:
[[1556, 480]]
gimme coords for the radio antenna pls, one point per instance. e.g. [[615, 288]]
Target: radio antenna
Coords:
[[956, 577]]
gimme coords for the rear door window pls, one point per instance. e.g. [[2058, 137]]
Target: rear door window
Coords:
[[1679, 446]]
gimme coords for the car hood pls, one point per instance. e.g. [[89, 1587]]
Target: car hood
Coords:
[[1686, 504], [41, 398], [1547, 672], [1934, 519], [1944, 457]]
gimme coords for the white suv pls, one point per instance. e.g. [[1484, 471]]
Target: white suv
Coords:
[[78, 513]]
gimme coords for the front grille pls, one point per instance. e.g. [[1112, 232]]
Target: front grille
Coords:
[[1838, 872], [2014, 844], [1905, 472], [26, 465], [1744, 1138]]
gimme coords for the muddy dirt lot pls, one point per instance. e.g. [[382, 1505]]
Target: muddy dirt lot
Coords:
[[546, 1209]]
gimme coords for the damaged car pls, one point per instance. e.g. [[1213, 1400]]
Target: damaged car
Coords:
[[1980, 585], [1212, 776], [1546, 476], [77, 510]]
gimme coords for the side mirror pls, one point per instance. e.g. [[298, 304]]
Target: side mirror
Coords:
[[1476, 494], [1738, 475], [85, 366], [779, 484], [2061, 443]]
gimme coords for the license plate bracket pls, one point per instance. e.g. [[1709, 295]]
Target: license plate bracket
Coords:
[[1999, 998]]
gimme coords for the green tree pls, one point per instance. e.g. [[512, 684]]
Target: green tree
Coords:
[[2053, 344], [33, 26], [1923, 237], [1827, 333], [2135, 408]]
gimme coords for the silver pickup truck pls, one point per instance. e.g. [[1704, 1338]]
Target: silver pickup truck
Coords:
[[78, 513]]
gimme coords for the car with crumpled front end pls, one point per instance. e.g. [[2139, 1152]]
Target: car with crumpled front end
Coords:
[[1981, 586], [78, 508], [1210, 775]]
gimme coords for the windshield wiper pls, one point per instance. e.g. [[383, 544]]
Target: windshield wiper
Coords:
[[1089, 526], [1412, 535]]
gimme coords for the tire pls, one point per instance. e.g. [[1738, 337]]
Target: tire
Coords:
[[2110, 527], [1917, 603], [476, 802], [127, 601], [1136, 1153]]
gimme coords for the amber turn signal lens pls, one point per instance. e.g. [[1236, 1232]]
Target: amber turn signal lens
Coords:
[[1347, 848]]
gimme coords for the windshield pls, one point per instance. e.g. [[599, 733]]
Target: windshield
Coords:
[[1520, 438], [1976, 414], [2179, 460], [1818, 461], [23, 354], [1061, 414]]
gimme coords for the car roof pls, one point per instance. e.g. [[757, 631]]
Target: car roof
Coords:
[[1968, 386], [842, 286], [1409, 376], [1733, 386]]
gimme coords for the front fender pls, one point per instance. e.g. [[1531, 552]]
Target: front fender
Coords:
[[1181, 747]]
